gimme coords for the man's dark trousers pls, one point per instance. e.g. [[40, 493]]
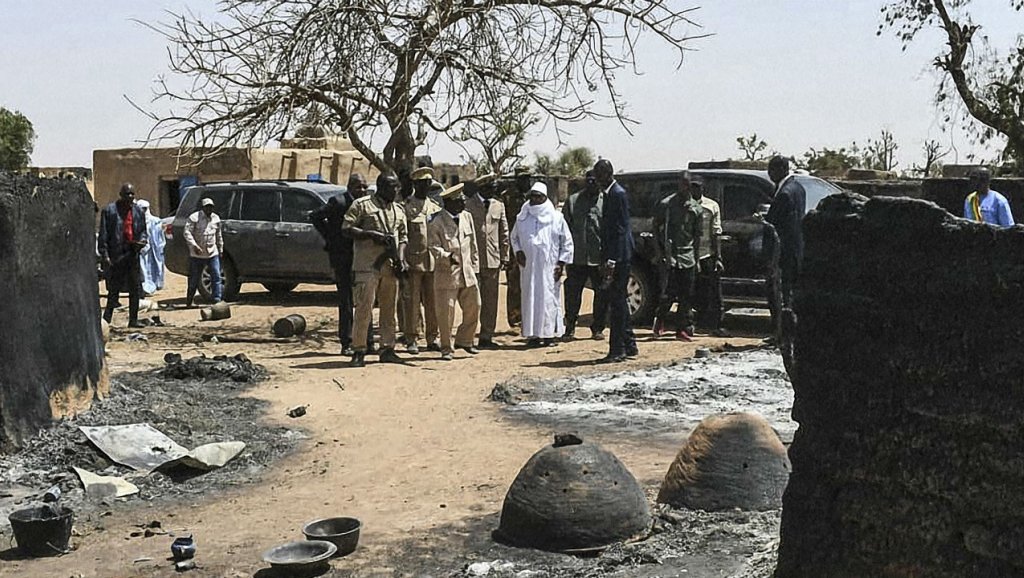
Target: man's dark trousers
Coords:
[[576, 279], [125, 274], [678, 288], [622, 341], [709, 295]]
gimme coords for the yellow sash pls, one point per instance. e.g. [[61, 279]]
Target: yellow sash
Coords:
[[975, 206]]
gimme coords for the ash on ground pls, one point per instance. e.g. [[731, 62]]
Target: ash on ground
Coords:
[[665, 403], [191, 410], [669, 400]]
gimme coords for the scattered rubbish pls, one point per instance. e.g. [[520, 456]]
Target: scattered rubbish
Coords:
[[237, 368], [702, 352], [141, 560], [340, 385], [185, 565], [342, 532], [209, 456], [297, 411], [576, 497], [216, 312], [143, 448], [307, 556], [506, 393], [136, 337], [183, 548], [42, 531], [139, 446], [99, 487], [247, 339], [52, 495], [479, 569], [290, 325]]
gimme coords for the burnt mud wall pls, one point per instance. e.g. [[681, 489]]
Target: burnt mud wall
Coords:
[[909, 391], [51, 348]]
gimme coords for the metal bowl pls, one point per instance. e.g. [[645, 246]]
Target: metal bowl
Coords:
[[300, 556], [342, 532]]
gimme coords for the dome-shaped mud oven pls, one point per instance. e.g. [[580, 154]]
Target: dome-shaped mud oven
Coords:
[[729, 461], [573, 496]]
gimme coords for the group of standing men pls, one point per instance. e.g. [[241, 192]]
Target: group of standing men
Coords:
[[418, 253]]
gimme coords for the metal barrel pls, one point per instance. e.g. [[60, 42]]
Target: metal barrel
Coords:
[[290, 325]]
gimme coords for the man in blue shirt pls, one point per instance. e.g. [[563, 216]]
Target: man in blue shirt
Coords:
[[985, 205]]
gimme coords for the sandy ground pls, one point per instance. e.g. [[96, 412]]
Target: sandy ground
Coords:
[[409, 449]]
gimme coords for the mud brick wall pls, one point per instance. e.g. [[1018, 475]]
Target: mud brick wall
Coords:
[[909, 392], [951, 193], [51, 348]]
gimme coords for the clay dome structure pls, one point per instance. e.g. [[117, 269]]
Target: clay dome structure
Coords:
[[730, 461], [573, 496]]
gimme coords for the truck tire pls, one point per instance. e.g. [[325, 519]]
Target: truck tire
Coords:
[[641, 295], [230, 287]]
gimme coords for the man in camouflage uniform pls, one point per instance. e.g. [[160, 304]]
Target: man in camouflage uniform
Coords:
[[377, 225]]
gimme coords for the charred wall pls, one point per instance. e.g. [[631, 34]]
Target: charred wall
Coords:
[[51, 348], [909, 392]]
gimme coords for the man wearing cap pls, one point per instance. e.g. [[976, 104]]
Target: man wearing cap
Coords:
[[582, 211], [418, 286], [677, 229], [492, 243], [377, 224], [122, 236], [514, 200], [205, 246], [453, 244], [985, 205], [542, 243]]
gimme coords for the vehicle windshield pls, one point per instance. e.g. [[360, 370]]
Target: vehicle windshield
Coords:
[[816, 190]]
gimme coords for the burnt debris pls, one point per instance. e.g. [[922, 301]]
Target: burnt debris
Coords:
[[236, 368]]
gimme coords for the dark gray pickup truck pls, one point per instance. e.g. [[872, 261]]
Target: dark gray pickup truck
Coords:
[[742, 196]]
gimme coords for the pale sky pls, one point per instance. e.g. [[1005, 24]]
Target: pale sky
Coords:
[[800, 73]]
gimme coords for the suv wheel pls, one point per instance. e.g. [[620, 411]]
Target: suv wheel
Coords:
[[280, 288], [230, 286], [641, 296]]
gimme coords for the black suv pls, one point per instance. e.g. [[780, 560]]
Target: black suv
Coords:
[[743, 196], [268, 237]]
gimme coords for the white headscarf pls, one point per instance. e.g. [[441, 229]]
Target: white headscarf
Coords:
[[545, 212]]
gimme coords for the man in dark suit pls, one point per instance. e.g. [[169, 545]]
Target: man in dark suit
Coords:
[[786, 214], [122, 236], [327, 220], [617, 252]]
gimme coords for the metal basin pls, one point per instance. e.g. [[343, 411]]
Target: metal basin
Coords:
[[342, 532], [301, 557]]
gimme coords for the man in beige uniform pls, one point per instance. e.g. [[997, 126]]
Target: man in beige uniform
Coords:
[[377, 225], [492, 242], [418, 286], [453, 243]]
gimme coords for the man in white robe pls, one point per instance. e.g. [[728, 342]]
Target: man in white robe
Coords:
[[542, 243]]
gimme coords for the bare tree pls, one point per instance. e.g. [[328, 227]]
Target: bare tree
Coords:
[[498, 135], [880, 154], [752, 147], [933, 153], [977, 83], [390, 71]]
